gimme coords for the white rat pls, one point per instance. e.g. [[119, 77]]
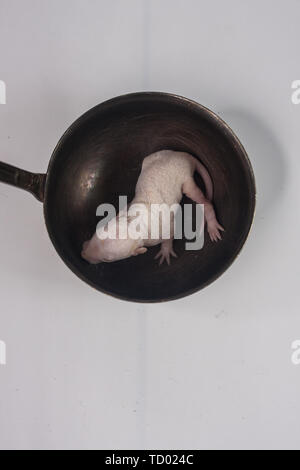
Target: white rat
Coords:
[[165, 177]]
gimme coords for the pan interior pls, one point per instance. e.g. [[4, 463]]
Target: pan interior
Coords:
[[100, 157]]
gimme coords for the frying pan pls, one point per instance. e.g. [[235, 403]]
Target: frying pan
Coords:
[[100, 157]]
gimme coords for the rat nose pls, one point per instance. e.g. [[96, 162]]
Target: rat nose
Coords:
[[84, 253], [89, 258]]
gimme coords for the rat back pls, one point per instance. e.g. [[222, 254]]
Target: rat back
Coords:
[[162, 176]]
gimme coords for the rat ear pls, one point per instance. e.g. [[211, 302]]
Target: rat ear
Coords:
[[140, 251]]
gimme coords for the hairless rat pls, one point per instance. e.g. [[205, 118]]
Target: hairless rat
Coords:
[[166, 176]]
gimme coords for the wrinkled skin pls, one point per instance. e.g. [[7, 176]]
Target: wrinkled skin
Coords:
[[165, 177], [107, 251]]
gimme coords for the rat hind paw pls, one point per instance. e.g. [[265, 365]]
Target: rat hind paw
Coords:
[[165, 253], [214, 229]]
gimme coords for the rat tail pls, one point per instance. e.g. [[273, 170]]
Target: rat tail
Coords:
[[206, 178]]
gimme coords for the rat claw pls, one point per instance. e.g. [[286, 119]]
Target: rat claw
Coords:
[[163, 257], [165, 253]]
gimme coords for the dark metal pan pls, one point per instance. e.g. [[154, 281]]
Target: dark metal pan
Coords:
[[100, 157]]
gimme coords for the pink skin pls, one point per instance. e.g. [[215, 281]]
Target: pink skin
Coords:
[[191, 190], [96, 251], [165, 252], [89, 252]]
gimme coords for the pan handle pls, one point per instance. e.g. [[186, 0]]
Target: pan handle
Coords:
[[32, 182]]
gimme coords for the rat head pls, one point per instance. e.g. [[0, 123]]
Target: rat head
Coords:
[[107, 245], [97, 251]]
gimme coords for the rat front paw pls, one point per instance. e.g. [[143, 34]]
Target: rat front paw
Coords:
[[165, 253], [214, 229]]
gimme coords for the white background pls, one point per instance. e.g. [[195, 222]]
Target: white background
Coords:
[[213, 370]]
